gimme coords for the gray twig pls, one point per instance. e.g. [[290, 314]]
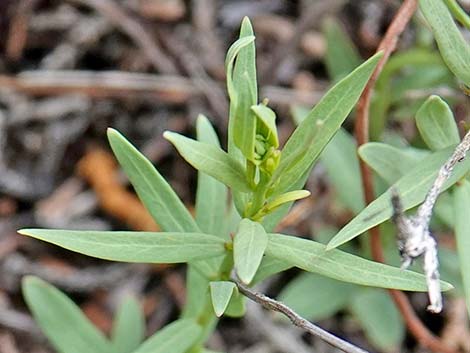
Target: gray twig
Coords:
[[296, 319], [414, 236]]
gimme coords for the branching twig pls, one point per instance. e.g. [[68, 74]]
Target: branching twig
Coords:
[[414, 236], [388, 44], [296, 319]]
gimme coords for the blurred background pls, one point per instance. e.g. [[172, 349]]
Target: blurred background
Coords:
[[69, 69]]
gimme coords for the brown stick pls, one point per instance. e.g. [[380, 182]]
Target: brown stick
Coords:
[[388, 45], [118, 17]]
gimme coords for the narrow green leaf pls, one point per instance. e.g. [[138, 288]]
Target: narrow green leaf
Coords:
[[462, 233], [211, 195], [244, 118], [452, 46], [342, 166], [197, 291], [153, 190], [174, 338], [211, 160], [143, 247], [341, 54], [316, 297], [242, 89], [232, 53], [436, 124], [389, 162], [370, 307], [459, 13], [290, 196], [221, 292], [315, 131], [412, 189], [246, 41], [61, 320], [313, 257], [129, 327], [248, 249]]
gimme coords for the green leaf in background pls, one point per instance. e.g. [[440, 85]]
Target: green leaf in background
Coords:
[[248, 248], [316, 297], [315, 131], [462, 233], [389, 162], [313, 257], [154, 191], [412, 189], [340, 160], [379, 318], [211, 160], [268, 267], [211, 195], [436, 124], [341, 56], [454, 49], [128, 327], [221, 292], [142, 247], [243, 90], [174, 338], [61, 320]]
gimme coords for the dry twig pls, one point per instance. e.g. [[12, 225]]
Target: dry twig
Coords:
[[135, 31], [296, 319]]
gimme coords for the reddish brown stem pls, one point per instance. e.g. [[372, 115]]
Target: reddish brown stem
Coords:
[[388, 45]]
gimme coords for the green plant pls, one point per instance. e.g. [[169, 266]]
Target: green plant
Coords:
[[264, 181], [401, 93]]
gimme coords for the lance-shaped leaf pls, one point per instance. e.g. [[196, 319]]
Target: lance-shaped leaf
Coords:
[[369, 307], [316, 297], [242, 88], [128, 327], [313, 257], [462, 233], [436, 124], [412, 189], [285, 198], [211, 160], [143, 247], [341, 54], [211, 195], [174, 338], [312, 135], [221, 292], [342, 165], [61, 320], [454, 49], [389, 162], [153, 190], [248, 249]]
